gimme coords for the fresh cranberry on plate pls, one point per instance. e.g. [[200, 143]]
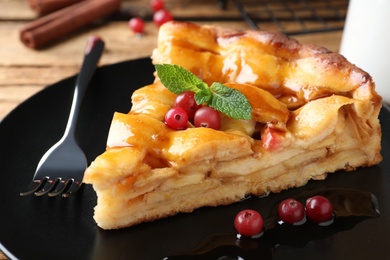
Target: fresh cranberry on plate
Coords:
[[319, 209], [249, 223], [292, 211]]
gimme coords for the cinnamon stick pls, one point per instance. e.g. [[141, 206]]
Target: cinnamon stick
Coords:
[[46, 29], [47, 6]]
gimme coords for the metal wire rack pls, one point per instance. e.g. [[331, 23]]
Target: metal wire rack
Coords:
[[292, 17]]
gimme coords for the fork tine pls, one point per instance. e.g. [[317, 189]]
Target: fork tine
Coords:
[[60, 188], [49, 186], [66, 158], [74, 186], [34, 186]]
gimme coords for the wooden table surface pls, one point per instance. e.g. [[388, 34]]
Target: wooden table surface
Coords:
[[24, 71]]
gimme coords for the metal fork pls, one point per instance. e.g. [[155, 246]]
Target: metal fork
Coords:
[[61, 168]]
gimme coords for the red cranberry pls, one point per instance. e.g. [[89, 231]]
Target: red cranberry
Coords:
[[162, 16], [319, 209], [186, 101], [157, 5], [207, 117], [176, 118], [292, 211], [137, 25], [249, 223]]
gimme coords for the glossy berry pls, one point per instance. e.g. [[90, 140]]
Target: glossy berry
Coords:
[[157, 5], [207, 117], [319, 209], [137, 25], [249, 223], [176, 118], [291, 211], [186, 101], [162, 16]]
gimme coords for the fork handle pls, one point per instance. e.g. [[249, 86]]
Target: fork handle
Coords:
[[93, 52]]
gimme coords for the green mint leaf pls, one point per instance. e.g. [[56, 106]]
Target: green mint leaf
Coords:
[[230, 102], [218, 96], [204, 87], [177, 79], [204, 95]]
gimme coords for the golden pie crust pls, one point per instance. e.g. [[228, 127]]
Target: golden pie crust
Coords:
[[314, 113]]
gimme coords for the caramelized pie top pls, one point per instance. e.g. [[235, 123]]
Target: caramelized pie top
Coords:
[[292, 72]]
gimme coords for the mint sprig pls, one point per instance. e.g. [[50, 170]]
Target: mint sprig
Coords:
[[227, 100]]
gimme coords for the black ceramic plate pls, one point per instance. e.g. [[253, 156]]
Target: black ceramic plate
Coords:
[[57, 228]]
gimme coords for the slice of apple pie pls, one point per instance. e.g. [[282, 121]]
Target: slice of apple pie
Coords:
[[313, 113]]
